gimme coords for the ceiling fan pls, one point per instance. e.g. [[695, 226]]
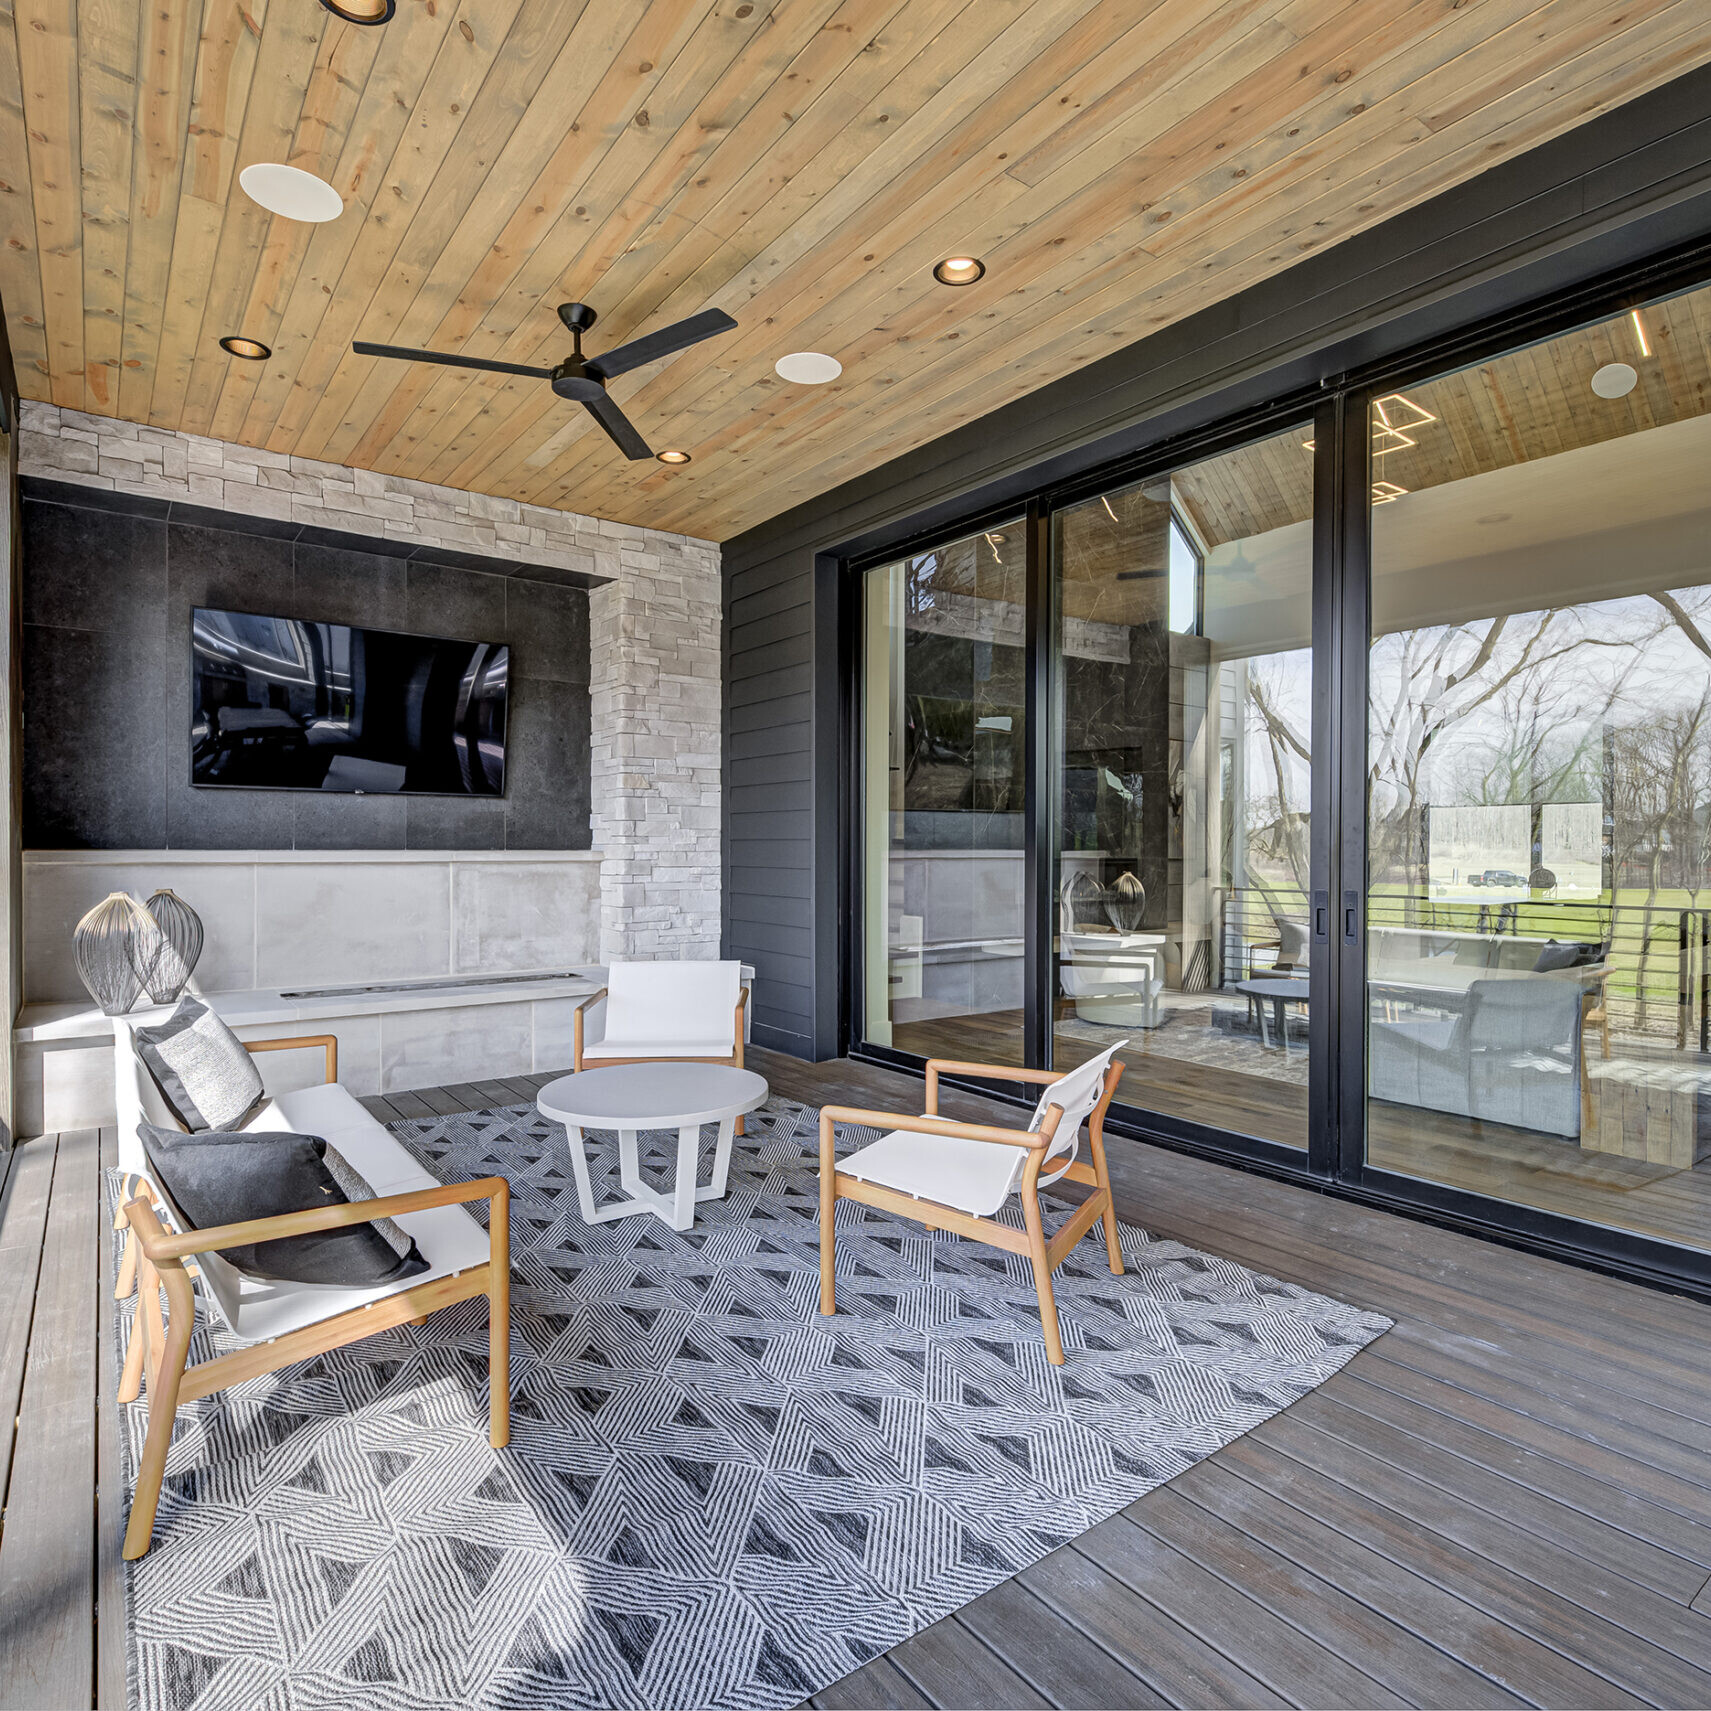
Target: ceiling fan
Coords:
[[584, 378]]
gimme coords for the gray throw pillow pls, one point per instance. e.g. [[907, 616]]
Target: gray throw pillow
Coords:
[[214, 1178], [355, 1186], [201, 1068]]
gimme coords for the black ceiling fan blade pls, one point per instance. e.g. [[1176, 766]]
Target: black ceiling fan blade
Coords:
[[666, 342], [405, 354], [618, 425]]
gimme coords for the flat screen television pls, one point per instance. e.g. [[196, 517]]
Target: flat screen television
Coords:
[[290, 704]]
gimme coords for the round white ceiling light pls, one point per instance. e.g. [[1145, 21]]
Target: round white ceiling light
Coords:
[[1614, 380], [290, 192], [808, 368]]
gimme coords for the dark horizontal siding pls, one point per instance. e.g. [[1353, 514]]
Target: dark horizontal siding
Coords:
[[1629, 184], [769, 798]]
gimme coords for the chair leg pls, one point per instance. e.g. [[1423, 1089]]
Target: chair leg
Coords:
[[1042, 1277], [127, 1279], [828, 1218], [1113, 1247], [163, 1407], [499, 1321], [131, 1378]]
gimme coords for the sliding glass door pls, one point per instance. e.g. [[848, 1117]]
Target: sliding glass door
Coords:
[[1539, 762], [1182, 750], [1356, 775]]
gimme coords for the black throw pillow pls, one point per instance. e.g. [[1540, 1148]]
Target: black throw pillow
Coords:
[[215, 1178], [1568, 954]]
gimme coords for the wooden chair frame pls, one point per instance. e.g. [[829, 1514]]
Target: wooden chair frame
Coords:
[[159, 1346], [1046, 1256], [155, 1259], [734, 1061]]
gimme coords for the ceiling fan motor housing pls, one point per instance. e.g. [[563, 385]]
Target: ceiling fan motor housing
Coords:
[[571, 379]]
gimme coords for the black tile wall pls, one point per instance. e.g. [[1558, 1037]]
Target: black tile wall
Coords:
[[106, 684]]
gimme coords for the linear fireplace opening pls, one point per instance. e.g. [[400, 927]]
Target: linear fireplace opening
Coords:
[[451, 983]]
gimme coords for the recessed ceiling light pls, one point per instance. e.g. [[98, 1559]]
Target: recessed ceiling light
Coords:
[[251, 350], [672, 457], [959, 270], [290, 192], [362, 11], [808, 368], [1496, 517], [1614, 380]]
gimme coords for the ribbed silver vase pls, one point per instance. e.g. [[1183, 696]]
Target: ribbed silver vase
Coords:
[[166, 958], [103, 944]]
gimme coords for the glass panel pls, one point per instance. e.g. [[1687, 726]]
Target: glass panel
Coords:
[[1539, 754], [1185, 625], [942, 779]]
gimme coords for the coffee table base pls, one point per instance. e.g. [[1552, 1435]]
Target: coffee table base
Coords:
[[676, 1209]]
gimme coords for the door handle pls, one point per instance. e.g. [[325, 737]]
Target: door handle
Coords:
[[1351, 917], [1321, 917]]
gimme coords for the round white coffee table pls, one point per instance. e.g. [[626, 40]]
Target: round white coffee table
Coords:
[[635, 1096]]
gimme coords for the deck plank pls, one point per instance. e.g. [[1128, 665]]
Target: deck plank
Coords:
[[1356, 1632], [1051, 1654], [876, 1686], [1289, 1662], [1633, 1669], [23, 1219], [1642, 1635], [1588, 1536], [110, 1683], [1175, 1663], [1514, 1662], [47, 1550], [952, 1666]]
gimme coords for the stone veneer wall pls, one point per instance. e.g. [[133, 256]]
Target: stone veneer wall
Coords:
[[654, 649]]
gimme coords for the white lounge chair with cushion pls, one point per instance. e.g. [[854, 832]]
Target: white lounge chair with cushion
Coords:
[[955, 1176], [275, 1322], [665, 1012]]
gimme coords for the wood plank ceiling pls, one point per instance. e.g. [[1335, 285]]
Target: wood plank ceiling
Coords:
[[799, 163]]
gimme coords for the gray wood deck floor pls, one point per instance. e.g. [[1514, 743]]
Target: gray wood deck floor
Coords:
[[1507, 1500]]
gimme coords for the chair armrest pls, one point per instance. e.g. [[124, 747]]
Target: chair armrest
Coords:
[[988, 1071], [576, 1017], [159, 1245], [1030, 1140], [329, 1042]]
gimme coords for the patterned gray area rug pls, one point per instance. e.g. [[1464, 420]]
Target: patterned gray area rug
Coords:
[[713, 1496]]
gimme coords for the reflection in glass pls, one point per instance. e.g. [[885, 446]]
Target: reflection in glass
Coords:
[[942, 780], [1184, 628], [1539, 757]]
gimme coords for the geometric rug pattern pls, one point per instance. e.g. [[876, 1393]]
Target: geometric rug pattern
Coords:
[[712, 1496]]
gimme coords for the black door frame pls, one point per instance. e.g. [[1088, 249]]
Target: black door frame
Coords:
[[1337, 1013]]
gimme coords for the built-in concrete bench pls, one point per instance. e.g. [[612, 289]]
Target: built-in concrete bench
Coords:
[[397, 1036]]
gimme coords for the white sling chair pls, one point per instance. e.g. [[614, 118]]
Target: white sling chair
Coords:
[[666, 1012], [955, 1176]]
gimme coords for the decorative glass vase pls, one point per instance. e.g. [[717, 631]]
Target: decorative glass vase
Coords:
[[103, 944], [1126, 903], [166, 958]]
